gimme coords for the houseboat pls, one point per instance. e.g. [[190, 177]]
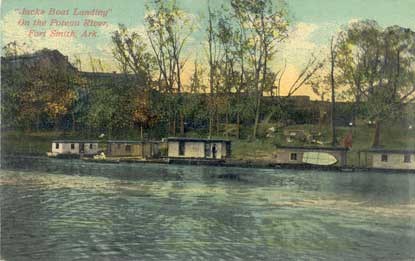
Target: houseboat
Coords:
[[388, 159], [196, 148], [134, 149], [323, 156], [74, 147]]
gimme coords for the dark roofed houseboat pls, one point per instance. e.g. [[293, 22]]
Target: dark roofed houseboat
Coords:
[[135, 149], [197, 148]]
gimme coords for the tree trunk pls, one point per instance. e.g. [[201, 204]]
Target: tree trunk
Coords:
[[73, 122], [141, 132], [238, 126], [333, 97], [217, 123], [181, 124], [260, 89], [257, 112], [226, 123], [211, 69], [37, 123], [169, 124], [56, 124], [376, 138], [173, 129], [210, 125]]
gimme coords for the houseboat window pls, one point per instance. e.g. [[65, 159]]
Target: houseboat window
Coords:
[[293, 156], [72, 146], [57, 145], [407, 158], [90, 146], [181, 148], [128, 148], [384, 158]]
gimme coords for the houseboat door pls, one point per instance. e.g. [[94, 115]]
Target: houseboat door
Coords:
[[81, 148], [207, 150]]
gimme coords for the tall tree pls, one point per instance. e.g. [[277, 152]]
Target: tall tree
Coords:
[[168, 30], [265, 25], [379, 63], [333, 54]]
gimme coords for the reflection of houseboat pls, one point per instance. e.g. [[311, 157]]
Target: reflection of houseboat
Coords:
[[128, 148], [74, 147], [312, 155], [378, 158], [195, 148]]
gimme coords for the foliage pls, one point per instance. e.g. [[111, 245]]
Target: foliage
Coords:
[[378, 65], [38, 88]]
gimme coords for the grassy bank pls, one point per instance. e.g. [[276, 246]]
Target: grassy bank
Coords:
[[38, 143], [392, 137]]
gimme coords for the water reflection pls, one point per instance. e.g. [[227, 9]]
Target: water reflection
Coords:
[[160, 212]]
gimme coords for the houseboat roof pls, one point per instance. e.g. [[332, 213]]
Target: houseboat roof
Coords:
[[313, 148], [76, 141], [130, 141], [383, 150], [195, 139]]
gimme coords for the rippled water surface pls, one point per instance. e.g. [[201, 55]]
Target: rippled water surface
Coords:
[[165, 212]]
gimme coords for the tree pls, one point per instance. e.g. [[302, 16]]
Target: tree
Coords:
[[265, 25], [168, 29], [42, 84], [333, 54], [133, 55], [378, 65]]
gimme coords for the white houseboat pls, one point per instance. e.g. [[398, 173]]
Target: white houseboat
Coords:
[[74, 147]]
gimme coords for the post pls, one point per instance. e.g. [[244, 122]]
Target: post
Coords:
[[333, 97]]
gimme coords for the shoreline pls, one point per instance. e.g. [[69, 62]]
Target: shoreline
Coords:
[[252, 164]]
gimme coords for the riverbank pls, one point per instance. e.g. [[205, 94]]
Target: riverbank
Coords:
[[259, 153]]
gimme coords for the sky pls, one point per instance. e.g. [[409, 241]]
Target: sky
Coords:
[[312, 23]]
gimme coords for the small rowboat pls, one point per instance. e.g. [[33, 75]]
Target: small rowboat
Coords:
[[319, 158]]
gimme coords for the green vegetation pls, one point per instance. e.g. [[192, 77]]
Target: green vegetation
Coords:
[[234, 91], [393, 137]]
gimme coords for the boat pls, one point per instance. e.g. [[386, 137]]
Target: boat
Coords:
[[319, 158]]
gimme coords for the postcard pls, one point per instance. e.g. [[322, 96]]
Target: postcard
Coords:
[[207, 130]]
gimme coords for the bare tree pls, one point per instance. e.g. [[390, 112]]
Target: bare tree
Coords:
[[168, 29]]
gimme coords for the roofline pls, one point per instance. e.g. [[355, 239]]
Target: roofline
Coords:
[[195, 139], [132, 141], [313, 148], [398, 151], [76, 141]]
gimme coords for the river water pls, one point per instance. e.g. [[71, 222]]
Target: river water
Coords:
[[167, 212]]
